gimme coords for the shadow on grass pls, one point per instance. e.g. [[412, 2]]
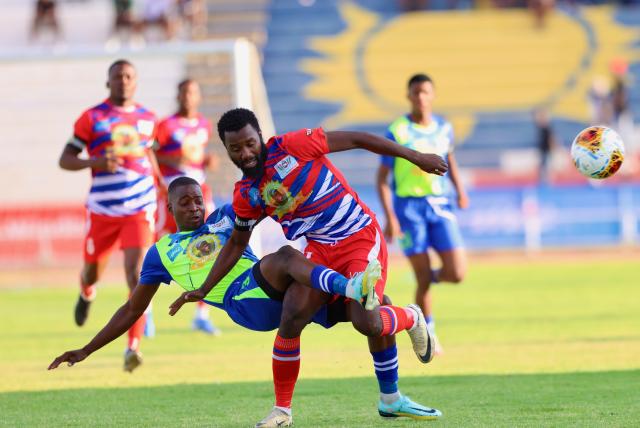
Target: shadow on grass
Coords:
[[568, 399]]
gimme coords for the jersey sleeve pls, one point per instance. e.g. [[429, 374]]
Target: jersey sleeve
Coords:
[[153, 271], [162, 134], [386, 160], [306, 144], [82, 131], [246, 214]]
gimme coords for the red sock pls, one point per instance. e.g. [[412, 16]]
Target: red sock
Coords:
[[135, 333], [87, 291], [286, 366], [395, 319]]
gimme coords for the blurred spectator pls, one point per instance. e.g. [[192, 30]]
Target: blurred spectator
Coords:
[[124, 24], [540, 10], [194, 13], [45, 16], [159, 13], [600, 102], [546, 142], [413, 5]]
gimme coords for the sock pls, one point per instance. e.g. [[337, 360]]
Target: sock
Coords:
[[330, 281], [202, 310], [286, 366], [385, 364], [287, 410], [395, 319], [435, 275], [431, 323], [88, 292], [135, 333]]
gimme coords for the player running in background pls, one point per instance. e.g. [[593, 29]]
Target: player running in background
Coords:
[[421, 202], [291, 180], [117, 135], [251, 293], [182, 152]]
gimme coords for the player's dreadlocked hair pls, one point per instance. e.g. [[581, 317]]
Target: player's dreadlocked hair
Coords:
[[236, 119]]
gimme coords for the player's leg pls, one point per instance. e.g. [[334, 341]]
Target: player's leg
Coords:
[[392, 403], [101, 235], [136, 234], [288, 265]]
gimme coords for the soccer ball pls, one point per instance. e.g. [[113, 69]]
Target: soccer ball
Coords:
[[597, 152]]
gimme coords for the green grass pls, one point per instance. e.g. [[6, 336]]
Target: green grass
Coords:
[[541, 344]]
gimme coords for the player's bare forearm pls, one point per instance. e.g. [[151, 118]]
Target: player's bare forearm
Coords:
[[70, 161], [229, 256], [384, 191], [339, 141], [121, 321], [454, 176], [124, 317]]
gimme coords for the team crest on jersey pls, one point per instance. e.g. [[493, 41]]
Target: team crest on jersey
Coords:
[[126, 141], [277, 196], [145, 127], [285, 166], [202, 249]]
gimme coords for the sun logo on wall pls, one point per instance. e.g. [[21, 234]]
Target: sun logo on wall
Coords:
[[488, 61]]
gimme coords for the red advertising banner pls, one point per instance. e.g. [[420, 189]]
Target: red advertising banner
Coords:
[[41, 235]]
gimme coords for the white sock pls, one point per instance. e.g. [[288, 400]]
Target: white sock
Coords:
[[390, 398], [287, 410], [202, 312]]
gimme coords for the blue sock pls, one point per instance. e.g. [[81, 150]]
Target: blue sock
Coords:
[[386, 367], [431, 323], [329, 281]]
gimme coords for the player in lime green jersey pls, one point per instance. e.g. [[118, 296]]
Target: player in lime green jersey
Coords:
[[423, 212]]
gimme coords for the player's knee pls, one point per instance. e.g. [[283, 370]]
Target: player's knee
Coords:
[[286, 254]]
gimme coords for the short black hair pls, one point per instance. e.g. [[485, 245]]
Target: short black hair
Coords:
[[236, 119], [117, 64], [181, 182], [185, 82], [419, 78]]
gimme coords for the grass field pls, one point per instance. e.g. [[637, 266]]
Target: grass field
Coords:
[[544, 343]]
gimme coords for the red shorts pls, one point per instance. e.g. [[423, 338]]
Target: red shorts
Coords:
[[165, 223], [103, 232], [352, 254]]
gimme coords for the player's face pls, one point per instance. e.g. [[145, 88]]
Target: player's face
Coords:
[[187, 206], [189, 96], [122, 83], [421, 96], [246, 150]]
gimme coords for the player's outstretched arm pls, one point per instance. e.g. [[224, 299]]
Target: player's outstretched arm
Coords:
[[227, 259], [339, 141], [121, 321], [391, 227], [71, 161]]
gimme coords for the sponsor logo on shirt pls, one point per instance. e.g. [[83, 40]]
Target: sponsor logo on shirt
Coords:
[[285, 166], [145, 127]]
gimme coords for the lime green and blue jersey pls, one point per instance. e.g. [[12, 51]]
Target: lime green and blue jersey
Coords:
[[186, 258], [408, 180]]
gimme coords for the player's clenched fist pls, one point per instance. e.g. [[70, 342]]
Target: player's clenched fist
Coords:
[[108, 163], [431, 163], [70, 357]]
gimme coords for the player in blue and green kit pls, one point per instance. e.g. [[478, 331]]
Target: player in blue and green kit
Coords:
[[251, 293], [423, 209]]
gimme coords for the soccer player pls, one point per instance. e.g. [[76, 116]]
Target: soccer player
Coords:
[[251, 293], [117, 135], [291, 180], [421, 202], [182, 152]]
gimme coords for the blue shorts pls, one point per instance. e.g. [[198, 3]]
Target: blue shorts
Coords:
[[427, 222], [248, 304]]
